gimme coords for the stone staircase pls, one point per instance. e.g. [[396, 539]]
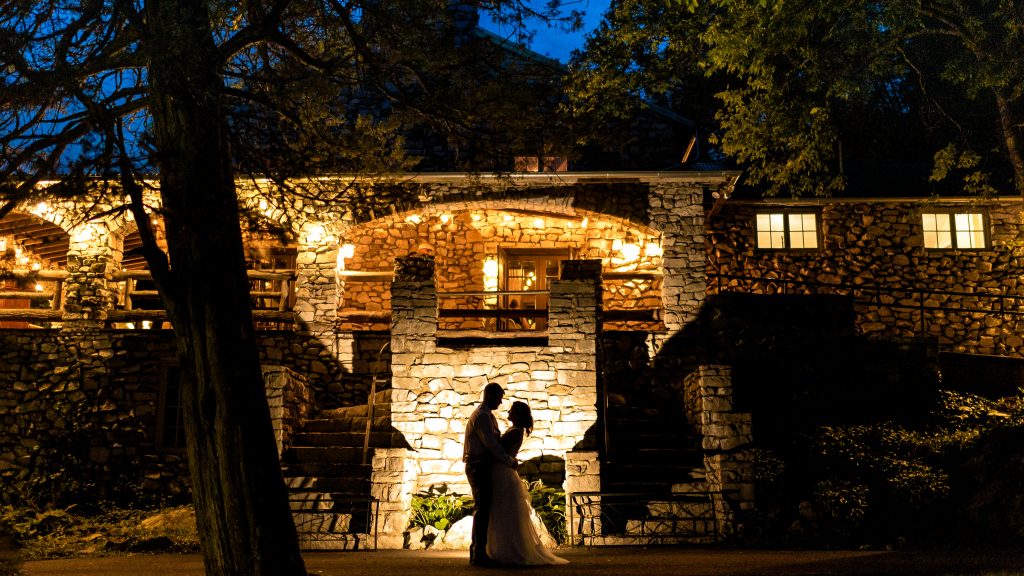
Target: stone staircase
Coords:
[[328, 477], [652, 479]]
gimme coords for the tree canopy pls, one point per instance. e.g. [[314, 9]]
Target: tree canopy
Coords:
[[817, 97]]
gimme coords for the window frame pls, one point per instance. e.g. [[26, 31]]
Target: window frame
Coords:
[[950, 213], [787, 233]]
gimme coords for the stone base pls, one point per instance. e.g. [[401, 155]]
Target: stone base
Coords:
[[336, 542]]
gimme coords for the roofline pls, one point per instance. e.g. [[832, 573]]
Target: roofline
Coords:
[[566, 178], [877, 200]]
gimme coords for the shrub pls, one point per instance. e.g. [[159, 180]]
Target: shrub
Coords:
[[438, 507], [550, 506]]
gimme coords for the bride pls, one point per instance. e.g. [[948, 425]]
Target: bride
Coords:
[[511, 537]]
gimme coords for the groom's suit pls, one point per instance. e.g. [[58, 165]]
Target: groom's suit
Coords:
[[480, 450]]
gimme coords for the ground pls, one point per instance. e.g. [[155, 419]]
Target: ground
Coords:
[[612, 561]]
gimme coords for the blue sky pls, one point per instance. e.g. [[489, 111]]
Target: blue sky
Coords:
[[557, 44]]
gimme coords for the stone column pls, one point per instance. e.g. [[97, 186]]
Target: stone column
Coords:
[[316, 304], [93, 255], [727, 435], [413, 336], [574, 323], [677, 210]]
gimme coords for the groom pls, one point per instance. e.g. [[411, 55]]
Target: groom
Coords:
[[480, 450]]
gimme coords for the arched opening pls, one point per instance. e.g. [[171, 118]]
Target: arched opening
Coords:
[[32, 251]]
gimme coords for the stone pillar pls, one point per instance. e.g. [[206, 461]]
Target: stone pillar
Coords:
[[413, 336], [94, 254], [316, 289], [727, 437], [290, 399], [393, 479], [677, 210], [583, 476]]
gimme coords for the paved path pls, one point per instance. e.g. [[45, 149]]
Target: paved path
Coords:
[[625, 561]]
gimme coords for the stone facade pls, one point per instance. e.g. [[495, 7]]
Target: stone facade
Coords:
[[436, 387], [872, 250]]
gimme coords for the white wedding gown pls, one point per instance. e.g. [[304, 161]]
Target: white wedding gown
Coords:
[[511, 537]]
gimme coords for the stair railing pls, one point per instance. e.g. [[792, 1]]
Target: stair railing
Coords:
[[371, 401]]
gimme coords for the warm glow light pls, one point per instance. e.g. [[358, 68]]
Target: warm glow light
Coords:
[[147, 324], [85, 233], [445, 218], [476, 217], [617, 244], [414, 219], [491, 267], [653, 249], [41, 209], [631, 251], [507, 218], [263, 204], [314, 233], [36, 266], [39, 287], [348, 250], [568, 223], [538, 222], [584, 223], [3, 244]]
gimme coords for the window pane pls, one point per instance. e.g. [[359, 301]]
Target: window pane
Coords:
[[810, 239], [945, 239], [937, 230], [771, 231], [970, 230]]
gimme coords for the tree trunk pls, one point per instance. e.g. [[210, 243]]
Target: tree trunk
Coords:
[[1013, 145], [242, 512]]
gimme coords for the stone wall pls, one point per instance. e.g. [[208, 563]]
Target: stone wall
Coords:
[[879, 244], [436, 388], [290, 400]]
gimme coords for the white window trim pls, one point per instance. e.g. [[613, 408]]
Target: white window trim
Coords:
[[787, 235], [956, 234]]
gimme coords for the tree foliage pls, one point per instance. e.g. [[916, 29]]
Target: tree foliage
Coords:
[[817, 97]]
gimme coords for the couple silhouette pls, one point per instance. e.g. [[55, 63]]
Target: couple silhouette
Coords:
[[503, 533]]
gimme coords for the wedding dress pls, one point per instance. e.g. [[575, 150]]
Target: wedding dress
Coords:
[[511, 537]]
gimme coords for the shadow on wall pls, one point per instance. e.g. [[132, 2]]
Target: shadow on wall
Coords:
[[798, 363]]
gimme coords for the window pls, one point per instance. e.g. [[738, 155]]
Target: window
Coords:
[[528, 271], [953, 230], [787, 231]]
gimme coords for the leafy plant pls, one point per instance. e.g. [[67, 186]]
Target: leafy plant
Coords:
[[550, 506], [440, 508]]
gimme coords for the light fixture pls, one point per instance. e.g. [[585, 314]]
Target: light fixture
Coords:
[[348, 251], [491, 267], [414, 219], [476, 217], [617, 244], [445, 218], [538, 222], [630, 251], [36, 266], [584, 223], [39, 287], [147, 324], [653, 249], [507, 218], [314, 233]]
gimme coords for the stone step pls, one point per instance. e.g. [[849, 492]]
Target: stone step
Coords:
[[317, 541], [325, 469], [648, 540], [679, 509], [354, 484], [322, 454], [671, 527], [378, 439], [347, 424], [694, 487]]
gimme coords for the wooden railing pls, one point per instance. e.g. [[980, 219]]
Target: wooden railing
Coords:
[[270, 306]]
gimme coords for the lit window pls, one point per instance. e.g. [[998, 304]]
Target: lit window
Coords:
[[953, 230], [787, 230]]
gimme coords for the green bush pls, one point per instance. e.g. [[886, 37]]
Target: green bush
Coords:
[[550, 506], [439, 508]]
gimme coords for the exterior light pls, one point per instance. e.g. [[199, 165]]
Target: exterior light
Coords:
[[147, 324], [36, 266], [490, 274], [445, 218], [3, 244], [617, 245], [568, 223], [39, 287], [653, 249], [584, 223], [314, 233], [476, 217], [263, 204], [538, 222], [631, 251], [507, 218], [41, 209], [491, 267], [414, 219], [348, 250]]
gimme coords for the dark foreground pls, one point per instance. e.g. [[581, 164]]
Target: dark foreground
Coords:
[[625, 561]]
